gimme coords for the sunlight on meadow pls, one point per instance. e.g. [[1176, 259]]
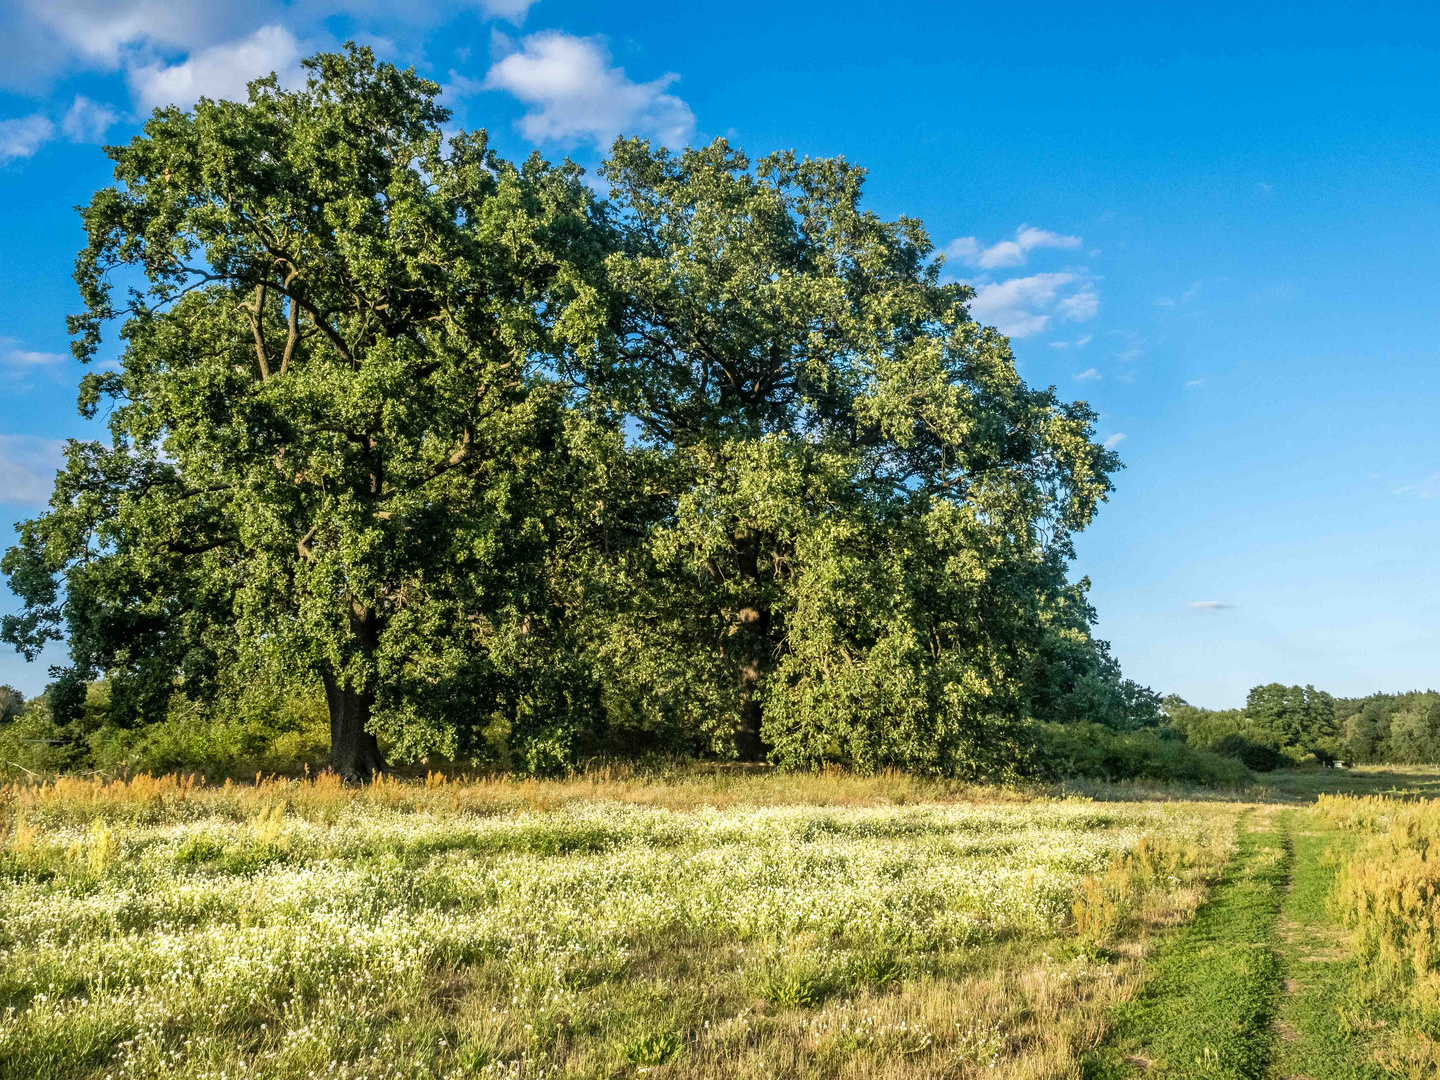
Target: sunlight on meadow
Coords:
[[297, 929]]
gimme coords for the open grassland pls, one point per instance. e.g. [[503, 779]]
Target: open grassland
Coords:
[[720, 923], [708, 925]]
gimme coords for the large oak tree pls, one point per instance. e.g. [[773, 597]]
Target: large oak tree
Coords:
[[330, 418]]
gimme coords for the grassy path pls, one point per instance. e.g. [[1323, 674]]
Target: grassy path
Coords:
[[1209, 1001], [1257, 986], [1314, 1040]]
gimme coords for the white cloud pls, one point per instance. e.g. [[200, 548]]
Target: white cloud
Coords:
[[1021, 307], [1088, 375], [21, 137], [1188, 296], [27, 468], [14, 358], [41, 40], [963, 248], [87, 121], [1210, 605], [220, 71], [1114, 440], [1080, 306], [576, 94], [101, 32], [1007, 252], [1194, 384]]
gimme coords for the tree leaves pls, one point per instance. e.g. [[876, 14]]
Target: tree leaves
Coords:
[[720, 464]]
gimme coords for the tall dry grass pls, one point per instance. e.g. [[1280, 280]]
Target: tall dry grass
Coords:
[[1387, 895]]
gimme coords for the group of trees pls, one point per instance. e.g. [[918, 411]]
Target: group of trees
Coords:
[[718, 463], [1285, 724]]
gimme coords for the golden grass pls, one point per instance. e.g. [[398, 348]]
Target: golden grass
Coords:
[[1387, 895]]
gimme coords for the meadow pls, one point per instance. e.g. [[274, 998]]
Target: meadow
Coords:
[[720, 926], [718, 923]]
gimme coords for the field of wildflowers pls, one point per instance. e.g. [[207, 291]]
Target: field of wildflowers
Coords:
[[297, 929]]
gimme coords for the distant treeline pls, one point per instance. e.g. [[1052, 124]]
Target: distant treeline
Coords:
[[1281, 725]]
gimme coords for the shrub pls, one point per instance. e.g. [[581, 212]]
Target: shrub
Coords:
[[1098, 752], [1253, 755]]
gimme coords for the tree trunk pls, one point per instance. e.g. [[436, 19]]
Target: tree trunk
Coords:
[[354, 753]]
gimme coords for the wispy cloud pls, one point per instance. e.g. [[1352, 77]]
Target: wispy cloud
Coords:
[[1210, 605], [1114, 440], [575, 94], [15, 360], [1080, 306], [1428, 488], [84, 122], [171, 52], [1194, 384], [1186, 297], [27, 468], [87, 121], [1088, 375]]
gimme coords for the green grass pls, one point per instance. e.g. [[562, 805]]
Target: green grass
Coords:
[[1401, 781], [1317, 1033], [1213, 987], [1260, 984]]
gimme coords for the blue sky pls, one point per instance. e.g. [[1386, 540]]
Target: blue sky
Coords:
[[1218, 225]]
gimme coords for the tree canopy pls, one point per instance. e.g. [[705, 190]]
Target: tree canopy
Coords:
[[717, 463]]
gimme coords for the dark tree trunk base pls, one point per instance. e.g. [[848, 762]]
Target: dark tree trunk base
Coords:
[[354, 753]]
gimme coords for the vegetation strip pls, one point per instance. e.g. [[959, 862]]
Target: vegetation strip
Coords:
[[1209, 1001]]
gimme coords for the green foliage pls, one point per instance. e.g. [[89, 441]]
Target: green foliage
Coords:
[[656, 1048], [1293, 719], [855, 545], [1285, 726], [264, 726], [1401, 729], [12, 704], [332, 423], [1253, 755], [721, 465], [1099, 752]]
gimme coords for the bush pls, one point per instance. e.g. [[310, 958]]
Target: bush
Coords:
[[1101, 753], [1253, 755], [264, 728]]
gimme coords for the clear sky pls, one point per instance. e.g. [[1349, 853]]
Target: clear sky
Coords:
[[1219, 225]]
